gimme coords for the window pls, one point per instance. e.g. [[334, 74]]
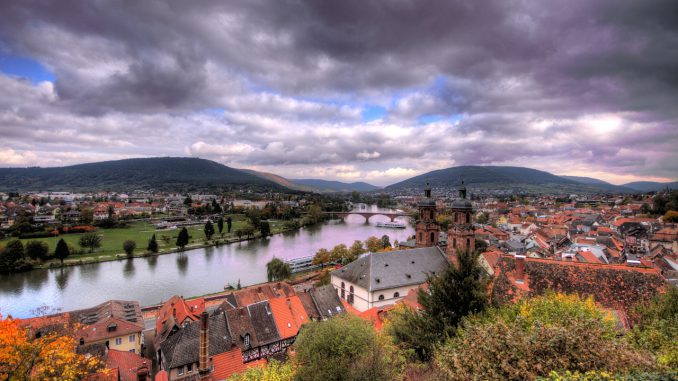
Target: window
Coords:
[[381, 297], [132, 350], [118, 341], [247, 340], [396, 294], [180, 371], [468, 244], [431, 213], [132, 338], [433, 237], [343, 293], [350, 295], [421, 236], [456, 216], [189, 368]]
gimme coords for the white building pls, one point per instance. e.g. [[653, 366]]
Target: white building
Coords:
[[381, 279]]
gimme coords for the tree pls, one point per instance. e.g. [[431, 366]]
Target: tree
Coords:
[[385, 241], [50, 357], [152, 245], [62, 251], [670, 216], [188, 201], [265, 228], [37, 250], [345, 348], [373, 244], [209, 230], [456, 293], [481, 245], [182, 238], [91, 241], [482, 218], [277, 270], [216, 208], [321, 257], [248, 230], [11, 256], [239, 233], [355, 251], [315, 213], [220, 225], [254, 215], [534, 337], [459, 291], [129, 247], [229, 224], [339, 253]]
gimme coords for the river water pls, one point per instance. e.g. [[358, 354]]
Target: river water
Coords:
[[193, 272]]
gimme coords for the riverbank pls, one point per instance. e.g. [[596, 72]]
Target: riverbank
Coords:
[[140, 232]]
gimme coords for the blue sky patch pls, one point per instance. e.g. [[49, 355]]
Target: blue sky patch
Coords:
[[25, 68], [371, 112]]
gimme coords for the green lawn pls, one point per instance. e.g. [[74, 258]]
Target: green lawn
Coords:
[[141, 232]]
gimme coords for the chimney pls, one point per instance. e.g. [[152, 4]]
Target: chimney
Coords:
[[204, 344], [520, 268]]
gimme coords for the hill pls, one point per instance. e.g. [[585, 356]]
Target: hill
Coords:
[[501, 179], [600, 183], [162, 173], [649, 186], [335, 186], [281, 181]]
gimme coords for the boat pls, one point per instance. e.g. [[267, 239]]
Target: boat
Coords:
[[392, 225]]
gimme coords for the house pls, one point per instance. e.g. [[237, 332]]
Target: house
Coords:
[[129, 366], [174, 313], [114, 325], [381, 279]]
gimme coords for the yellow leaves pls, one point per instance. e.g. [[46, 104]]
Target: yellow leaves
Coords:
[[50, 357]]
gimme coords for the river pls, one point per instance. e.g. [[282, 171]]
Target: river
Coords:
[[194, 272]]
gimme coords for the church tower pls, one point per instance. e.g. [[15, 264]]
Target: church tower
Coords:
[[427, 229], [461, 235]]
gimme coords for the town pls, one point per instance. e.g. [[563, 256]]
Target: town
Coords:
[[621, 250]]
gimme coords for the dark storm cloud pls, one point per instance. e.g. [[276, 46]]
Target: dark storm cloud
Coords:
[[591, 83]]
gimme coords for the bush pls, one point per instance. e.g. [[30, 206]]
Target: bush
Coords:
[[129, 247], [535, 337], [37, 250]]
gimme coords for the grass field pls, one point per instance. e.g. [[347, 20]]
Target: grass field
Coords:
[[140, 232]]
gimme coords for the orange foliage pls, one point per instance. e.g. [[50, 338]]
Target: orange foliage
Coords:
[[49, 357]]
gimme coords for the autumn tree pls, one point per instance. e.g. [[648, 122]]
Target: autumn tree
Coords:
[[339, 253], [62, 251], [321, 257], [373, 244], [355, 251], [51, 356], [272, 371], [91, 241]]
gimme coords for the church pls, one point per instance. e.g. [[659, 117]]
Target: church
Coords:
[[382, 279]]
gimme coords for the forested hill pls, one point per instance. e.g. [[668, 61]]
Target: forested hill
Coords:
[[163, 173], [500, 178]]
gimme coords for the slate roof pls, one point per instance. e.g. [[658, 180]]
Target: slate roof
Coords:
[[240, 324], [263, 322], [391, 269], [309, 305], [182, 347], [326, 301]]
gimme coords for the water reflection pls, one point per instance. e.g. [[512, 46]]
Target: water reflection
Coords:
[[90, 271], [152, 262], [182, 263], [35, 279], [62, 276], [128, 268]]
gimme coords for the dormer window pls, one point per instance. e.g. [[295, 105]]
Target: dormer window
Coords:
[[247, 340]]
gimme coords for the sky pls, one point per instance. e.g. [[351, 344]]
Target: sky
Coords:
[[352, 90]]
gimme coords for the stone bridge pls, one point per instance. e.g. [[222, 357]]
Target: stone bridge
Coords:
[[367, 215]]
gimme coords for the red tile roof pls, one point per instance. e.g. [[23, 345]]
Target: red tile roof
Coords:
[[289, 315], [228, 363], [128, 364], [180, 309]]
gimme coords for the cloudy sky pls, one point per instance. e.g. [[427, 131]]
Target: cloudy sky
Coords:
[[350, 90]]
